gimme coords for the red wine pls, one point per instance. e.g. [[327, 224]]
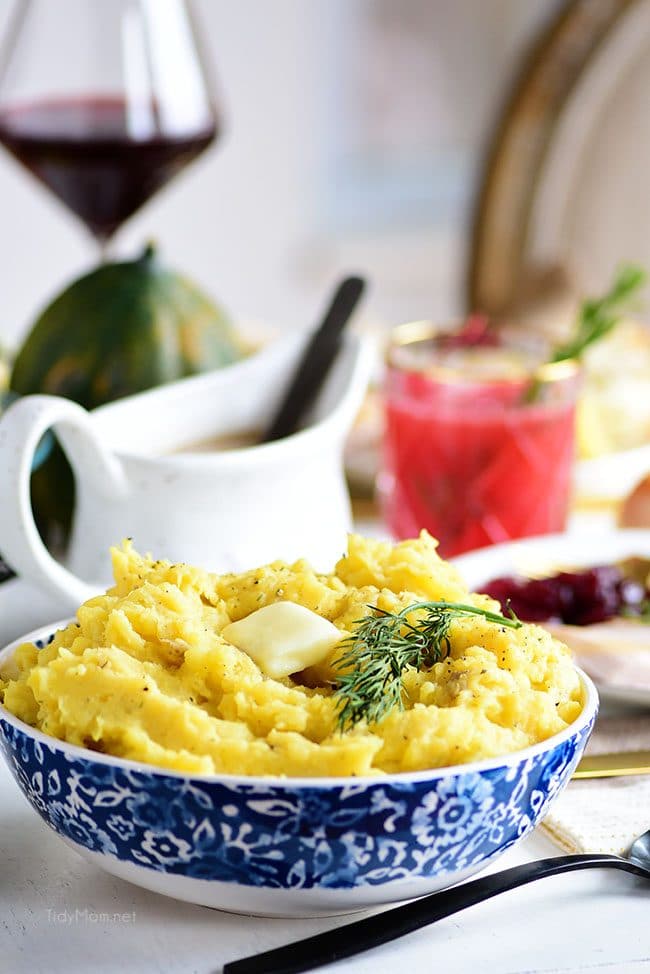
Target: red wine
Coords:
[[84, 152]]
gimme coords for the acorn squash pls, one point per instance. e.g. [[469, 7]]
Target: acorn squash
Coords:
[[121, 329], [4, 371], [118, 330]]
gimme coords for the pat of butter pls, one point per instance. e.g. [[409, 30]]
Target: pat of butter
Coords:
[[283, 638]]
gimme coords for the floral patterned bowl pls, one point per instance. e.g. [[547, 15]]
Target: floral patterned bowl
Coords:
[[294, 846]]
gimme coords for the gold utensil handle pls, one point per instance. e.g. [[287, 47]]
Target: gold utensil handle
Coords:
[[613, 765]]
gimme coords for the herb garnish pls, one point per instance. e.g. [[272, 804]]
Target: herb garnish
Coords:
[[386, 644], [639, 613], [598, 316]]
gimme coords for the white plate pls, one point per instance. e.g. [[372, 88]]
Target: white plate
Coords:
[[613, 475], [535, 556]]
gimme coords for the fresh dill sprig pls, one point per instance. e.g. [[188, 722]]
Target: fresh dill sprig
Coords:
[[385, 644], [598, 316]]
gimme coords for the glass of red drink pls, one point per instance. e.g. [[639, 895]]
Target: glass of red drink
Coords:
[[479, 439]]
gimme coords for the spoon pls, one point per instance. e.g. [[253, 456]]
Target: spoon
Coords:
[[354, 938], [6, 574], [316, 361]]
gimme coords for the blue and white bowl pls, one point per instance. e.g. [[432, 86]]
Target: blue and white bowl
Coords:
[[294, 846]]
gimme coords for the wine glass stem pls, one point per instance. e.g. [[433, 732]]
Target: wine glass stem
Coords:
[[104, 244]]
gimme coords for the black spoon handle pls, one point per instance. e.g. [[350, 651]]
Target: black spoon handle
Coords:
[[317, 360], [5, 571], [354, 938]]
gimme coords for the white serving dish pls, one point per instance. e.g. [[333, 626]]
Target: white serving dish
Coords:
[[288, 846]]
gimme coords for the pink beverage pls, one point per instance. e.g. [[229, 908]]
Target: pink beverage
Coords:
[[479, 444]]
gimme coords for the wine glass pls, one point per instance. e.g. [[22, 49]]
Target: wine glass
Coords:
[[104, 102]]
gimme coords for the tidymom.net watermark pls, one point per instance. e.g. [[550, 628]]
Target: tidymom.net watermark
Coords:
[[85, 915]]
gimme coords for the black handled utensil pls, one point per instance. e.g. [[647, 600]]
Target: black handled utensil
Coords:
[[5, 571], [316, 361], [355, 938]]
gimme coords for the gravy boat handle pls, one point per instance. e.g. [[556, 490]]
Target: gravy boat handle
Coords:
[[21, 428]]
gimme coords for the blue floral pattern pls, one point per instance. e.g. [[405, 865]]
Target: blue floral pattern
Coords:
[[284, 834]]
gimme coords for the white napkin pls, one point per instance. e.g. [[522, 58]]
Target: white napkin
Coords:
[[605, 814]]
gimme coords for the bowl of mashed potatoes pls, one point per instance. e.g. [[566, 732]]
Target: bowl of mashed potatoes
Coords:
[[211, 737]]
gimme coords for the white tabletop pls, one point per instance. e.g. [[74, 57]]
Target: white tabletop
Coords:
[[51, 902], [60, 915]]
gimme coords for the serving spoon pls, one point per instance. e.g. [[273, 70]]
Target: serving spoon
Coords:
[[317, 360], [354, 938]]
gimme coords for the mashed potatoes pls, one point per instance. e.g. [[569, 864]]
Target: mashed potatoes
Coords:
[[145, 674]]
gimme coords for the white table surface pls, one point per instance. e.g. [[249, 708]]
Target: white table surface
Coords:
[[51, 901]]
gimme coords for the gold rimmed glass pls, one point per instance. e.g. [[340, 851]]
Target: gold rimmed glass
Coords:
[[479, 437]]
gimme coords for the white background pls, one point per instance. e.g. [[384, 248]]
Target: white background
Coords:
[[250, 220]]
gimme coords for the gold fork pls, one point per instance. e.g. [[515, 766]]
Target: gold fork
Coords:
[[613, 765]]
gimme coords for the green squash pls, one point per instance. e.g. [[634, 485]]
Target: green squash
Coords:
[[119, 330], [5, 369]]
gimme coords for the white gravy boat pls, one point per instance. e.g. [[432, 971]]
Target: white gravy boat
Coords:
[[224, 510]]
